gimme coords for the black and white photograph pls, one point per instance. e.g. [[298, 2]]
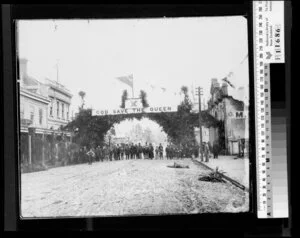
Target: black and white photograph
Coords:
[[133, 117]]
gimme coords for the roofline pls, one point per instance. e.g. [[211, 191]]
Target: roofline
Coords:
[[34, 96], [61, 90], [229, 97]]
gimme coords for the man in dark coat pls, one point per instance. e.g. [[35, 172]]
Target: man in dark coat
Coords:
[[136, 153], [242, 148], [156, 152], [209, 147], [127, 151], [160, 149], [139, 151], [98, 153], [115, 152], [111, 153], [122, 152], [206, 151], [151, 152], [146, 151], [132, 151], [216, 149]]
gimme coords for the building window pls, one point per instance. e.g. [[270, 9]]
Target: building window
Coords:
[[67, 113], [51, 108], [57, 109], [63, 111], [41, 116], [32, 114]]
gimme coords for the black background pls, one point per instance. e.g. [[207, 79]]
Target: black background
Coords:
[[223, 224]]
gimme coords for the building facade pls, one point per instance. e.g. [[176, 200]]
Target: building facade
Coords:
[[34, 101], [205, 134], [33, 110], [39, 135], [59, 106], [233, 114], [58, 97]]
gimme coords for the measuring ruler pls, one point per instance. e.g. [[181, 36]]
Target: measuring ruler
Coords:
[[268, 33]]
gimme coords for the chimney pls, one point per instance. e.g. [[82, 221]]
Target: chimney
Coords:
[[214, 81], [241, 93], [22, 69], [214, 84], [225, 89]]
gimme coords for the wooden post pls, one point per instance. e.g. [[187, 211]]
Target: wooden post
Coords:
[[31, 133], [200, 123], [29, 149], [43, 149], [225, 128]]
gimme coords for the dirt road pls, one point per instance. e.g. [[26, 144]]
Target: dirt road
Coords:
[[126, 188]]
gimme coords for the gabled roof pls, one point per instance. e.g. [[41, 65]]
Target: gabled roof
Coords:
[[237, 103], [207, 119]]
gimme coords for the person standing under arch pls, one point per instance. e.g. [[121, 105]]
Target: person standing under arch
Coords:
[[160, 149], [139, 151], [151, 153], [156, 152], [90, 155], [146, 151], [215, 149]]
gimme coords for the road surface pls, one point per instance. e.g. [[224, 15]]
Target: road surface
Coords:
[[126, 187]]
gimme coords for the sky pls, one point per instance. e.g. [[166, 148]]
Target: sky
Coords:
[[124, 128], [160, 53]]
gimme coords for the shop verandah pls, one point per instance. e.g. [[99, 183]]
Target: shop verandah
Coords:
[[40, 148]]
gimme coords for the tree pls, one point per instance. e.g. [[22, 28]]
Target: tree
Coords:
[[148, 135], [109, 135], [186, 104], [82, 95], [124, 98], [178, 125], [143, 96]]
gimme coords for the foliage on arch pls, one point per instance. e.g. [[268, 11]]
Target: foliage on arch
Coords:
[[179, 126]]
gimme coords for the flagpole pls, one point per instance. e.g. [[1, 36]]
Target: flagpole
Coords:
[[132, 88]]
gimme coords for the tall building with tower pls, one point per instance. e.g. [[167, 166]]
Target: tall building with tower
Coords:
[[233, 113]]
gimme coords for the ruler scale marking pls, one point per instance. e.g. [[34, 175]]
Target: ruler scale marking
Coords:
[[268, 48]]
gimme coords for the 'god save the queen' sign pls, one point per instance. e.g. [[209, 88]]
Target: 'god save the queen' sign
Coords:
[[122, 111]]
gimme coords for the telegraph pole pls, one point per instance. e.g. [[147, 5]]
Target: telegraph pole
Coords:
[[199, 92]]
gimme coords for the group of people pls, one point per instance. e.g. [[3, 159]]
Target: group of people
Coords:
[[147, 151], [208, 150], [176, 152], [121, 152]]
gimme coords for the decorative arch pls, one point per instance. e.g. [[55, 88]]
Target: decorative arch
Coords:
[[179, 126]]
